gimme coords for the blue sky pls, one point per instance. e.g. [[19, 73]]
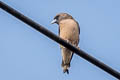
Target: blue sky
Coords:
[[26, 54]]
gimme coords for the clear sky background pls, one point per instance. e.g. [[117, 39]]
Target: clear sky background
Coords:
[[26, 54]]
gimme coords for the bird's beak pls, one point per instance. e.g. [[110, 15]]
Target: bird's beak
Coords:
[[54, 21]]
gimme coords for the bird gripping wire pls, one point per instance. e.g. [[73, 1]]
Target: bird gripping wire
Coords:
[[54, 37]]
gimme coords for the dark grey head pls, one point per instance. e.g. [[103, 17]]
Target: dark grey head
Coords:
[[60, 17]]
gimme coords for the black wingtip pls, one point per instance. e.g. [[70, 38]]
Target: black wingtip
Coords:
[[66, 71]]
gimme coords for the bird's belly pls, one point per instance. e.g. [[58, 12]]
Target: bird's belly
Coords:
[[70, 34]]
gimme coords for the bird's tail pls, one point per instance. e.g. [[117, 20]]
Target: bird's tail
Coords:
[[66, 68], [66, 59]]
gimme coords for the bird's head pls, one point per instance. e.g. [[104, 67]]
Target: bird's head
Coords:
[[61, 16]]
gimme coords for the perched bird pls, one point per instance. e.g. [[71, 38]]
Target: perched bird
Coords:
[[68, 30]]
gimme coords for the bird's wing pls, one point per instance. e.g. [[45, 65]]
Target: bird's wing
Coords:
[[78, 27]]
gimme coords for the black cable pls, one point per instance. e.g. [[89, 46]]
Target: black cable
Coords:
[[54, 37]]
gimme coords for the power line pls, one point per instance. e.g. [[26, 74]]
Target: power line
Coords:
[[54, 37]]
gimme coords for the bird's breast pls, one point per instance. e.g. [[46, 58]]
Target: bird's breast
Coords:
[[69, 30]]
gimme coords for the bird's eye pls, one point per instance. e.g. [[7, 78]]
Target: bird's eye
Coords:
[[57, 17]]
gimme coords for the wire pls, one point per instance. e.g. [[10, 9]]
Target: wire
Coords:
[[54, 37]]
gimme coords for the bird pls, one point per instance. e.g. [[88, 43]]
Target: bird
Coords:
[[69, 31]]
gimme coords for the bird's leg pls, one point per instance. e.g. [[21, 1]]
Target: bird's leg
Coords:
[[78, 47], [75, 45], [67, 41], [62, 47]]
